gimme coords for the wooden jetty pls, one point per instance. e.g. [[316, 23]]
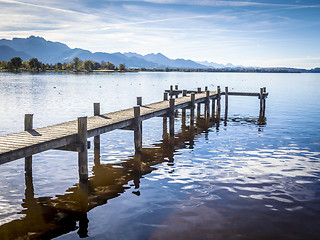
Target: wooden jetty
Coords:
[[73, 135], [49, 217]]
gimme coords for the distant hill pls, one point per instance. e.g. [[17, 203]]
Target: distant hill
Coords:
[[53, 52], [6, 53]]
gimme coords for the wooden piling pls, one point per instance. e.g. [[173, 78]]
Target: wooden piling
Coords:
[[218, 104], [213, 108], [139, 101], [207, 102], [199, 90], [83, 155], [137, 129], [165, 96], [226, 104], [171, 117], [96, 139], [206, 88], [171, 91], [193, 97], [184, 93], [28, 125], [183, 114], [176, 87], [165, 129], [262, 103]]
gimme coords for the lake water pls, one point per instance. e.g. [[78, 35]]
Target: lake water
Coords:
[[236, 180]]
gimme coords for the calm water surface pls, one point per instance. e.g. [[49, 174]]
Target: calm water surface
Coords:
[[236, 180]]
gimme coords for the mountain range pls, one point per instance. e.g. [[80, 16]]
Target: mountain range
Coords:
[[54, 52]]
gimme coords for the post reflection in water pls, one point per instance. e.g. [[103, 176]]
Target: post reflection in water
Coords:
[[46, 217]]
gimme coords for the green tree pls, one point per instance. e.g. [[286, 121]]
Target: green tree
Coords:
[[96, 65], [109, 66], [76, 63], [88, 65], [34, 64], [121, 67], [16, 63], [58, 66]]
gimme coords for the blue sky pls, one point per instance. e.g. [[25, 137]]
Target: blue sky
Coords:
[[270, 33]]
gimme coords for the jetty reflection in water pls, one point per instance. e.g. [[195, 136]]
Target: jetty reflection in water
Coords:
[[47, 217]]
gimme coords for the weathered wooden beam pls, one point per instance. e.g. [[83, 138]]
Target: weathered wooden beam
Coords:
[[218, 103], [207, 102], [139, 101], [184, 93], [74, 147], [28, 125], [171, 117], [193, 96], [137, 129], [165, 96], [213, 108], [83, 155], [226, 104]]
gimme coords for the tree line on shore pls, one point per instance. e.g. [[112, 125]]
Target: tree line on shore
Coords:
[[16, 64], [77, 65]]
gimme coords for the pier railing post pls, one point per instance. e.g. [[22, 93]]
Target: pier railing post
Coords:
[[83, 155], [28, 125], [218, 104], [193, 97], [171, 91], [171, 117], [137, 129], [226, 104], [96, 139]]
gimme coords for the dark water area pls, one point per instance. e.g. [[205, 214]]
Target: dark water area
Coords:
[[235, 180]]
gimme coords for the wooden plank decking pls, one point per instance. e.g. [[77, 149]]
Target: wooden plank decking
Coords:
[[27, 143]]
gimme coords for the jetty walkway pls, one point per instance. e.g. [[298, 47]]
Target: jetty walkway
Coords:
[[73, 135]]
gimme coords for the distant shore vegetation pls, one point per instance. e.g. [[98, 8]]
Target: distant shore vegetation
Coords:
[[77, 65]]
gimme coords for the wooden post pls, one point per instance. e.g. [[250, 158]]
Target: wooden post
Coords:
[[198, 110], [218, 104], [206, 88], [165, 129], [184, 93], [213, 108], [83, 155], [96, 139], [183, 117], [199, 90], [207, 102], [176, 87], [139, 101], [165, 96], [193, 97], [226, 104], [171, 118], [171, 91], [262, 104], [28, 125], [177, 93], [137, 129]]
